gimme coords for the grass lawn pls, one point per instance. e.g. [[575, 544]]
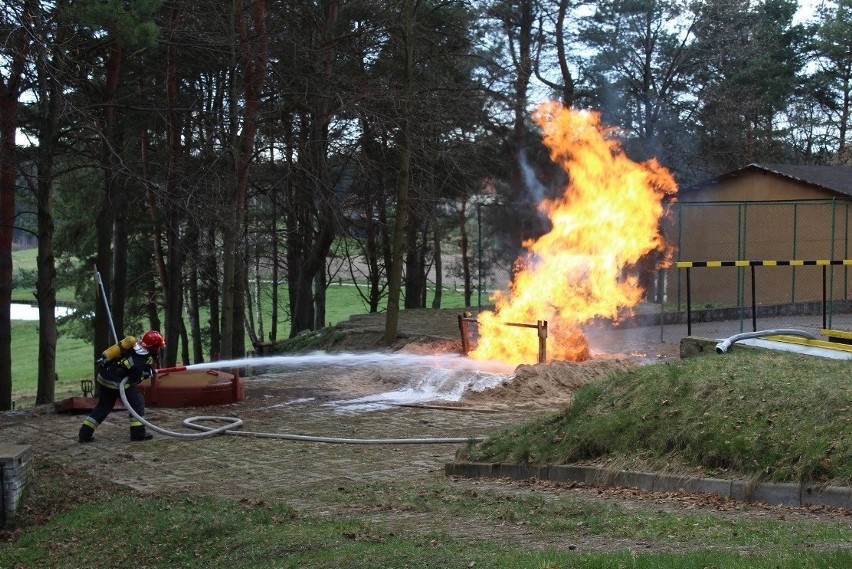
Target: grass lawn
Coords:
[[74, 356], [207, 532], [73, 362], [730, 415]]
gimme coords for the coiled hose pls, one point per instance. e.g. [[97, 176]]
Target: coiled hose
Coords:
[[722, 347], [233, 423]]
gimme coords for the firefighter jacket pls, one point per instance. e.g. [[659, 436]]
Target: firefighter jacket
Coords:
[[136, 366]]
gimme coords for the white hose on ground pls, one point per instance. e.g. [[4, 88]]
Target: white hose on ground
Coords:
[[722, 347], [232, 423]]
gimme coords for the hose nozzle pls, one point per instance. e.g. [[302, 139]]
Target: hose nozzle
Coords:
[[170, 369]]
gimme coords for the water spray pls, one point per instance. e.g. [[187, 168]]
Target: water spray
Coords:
[[231, 425], [346, 359]]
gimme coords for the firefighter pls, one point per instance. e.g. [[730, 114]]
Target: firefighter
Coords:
[[135, 365]]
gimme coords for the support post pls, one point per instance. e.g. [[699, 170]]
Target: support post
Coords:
[[479, 263], [542, 341], [824, 302], [465, 341], [541, 328], [688, 305], [753, 303]]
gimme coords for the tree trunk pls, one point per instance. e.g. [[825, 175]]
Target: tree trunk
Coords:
[[415, 265], [439, 266], [50, 108], [156, 250], [253, 56], [320, 286], [374, 217], [465, 250], [8, 169], [395, 275], [16, 51], [46, 293], [193, 299], [273, 325], [250, 307], [103, 325], [523, 37], [214, 293], [258, 296], [119, 259], [372, 257], [184, 343], [311, 227], [562, 57], [174, 291], [300, 291]]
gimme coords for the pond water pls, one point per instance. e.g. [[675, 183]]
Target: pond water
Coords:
[[30, 312]]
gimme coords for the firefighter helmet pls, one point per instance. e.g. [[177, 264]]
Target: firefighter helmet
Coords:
[[152, 341]]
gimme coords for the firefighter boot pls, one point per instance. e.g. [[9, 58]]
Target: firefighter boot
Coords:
[[87, 431], [137, 433]]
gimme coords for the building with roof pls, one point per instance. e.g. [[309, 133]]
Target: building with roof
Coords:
[[774, 182], [766, 212]]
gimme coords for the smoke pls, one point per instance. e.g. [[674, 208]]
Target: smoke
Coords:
[[535, 189]]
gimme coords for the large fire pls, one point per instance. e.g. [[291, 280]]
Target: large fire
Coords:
[[606, 220]]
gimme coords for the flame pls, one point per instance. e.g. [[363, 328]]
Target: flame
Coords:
[[605, 221]]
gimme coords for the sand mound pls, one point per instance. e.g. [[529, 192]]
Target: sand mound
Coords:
[[547, 385]]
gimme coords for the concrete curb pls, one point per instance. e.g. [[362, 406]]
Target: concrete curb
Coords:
[[784, 494]]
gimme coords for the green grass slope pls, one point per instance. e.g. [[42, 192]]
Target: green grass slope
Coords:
[[752, 414]]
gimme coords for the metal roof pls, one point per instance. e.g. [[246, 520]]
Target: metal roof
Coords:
[[836, 179]]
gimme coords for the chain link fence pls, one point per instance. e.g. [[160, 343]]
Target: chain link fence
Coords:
[[773, 233]]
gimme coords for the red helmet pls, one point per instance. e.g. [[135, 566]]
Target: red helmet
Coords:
[[152, 341]]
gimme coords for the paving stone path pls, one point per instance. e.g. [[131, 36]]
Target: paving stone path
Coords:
[[259, 468]]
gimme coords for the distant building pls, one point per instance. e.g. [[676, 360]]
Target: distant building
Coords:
[[764, 212]]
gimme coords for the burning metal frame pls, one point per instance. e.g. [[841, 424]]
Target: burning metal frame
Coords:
[[541, 328]]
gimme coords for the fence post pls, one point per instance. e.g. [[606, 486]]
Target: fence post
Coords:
[[824, 304], [753, 303], [688, 305]]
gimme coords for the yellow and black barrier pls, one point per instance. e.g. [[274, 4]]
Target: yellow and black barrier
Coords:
[[788, 263], [743, 263]]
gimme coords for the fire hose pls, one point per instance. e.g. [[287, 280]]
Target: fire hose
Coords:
[[722, 347], [232, 425]]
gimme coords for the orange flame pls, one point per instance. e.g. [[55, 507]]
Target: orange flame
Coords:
[[605, 221]]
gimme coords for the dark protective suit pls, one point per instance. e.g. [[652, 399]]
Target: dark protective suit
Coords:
[[135, 366]]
